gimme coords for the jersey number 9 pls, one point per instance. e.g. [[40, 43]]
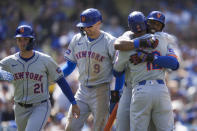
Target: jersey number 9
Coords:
[[96, 68]]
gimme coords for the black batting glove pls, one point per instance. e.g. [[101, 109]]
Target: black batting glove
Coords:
[[141, 56], [115, 96], [150, 42]]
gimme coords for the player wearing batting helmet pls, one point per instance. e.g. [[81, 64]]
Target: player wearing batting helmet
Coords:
[[149, 82], [155, 21], [137, 26], [26, 31], [88, 18], [137, 22], [93, 53], [32, 70]]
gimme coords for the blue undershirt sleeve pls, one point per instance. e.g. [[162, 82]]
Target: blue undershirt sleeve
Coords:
[[167, 62], [117, 74], [119, 82], [68, 68], [66, 90]]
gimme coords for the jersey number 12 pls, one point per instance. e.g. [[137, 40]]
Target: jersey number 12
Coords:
[[151, 66]]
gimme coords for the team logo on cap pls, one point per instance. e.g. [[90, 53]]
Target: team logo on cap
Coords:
[[83, 18], [21, 30], [158, 15]]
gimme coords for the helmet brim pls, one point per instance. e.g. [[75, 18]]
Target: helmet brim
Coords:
[[80, 24], [152, 18], [26, 36]]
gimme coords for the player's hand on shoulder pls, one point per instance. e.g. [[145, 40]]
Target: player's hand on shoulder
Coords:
[[150, 42], [75, 111]]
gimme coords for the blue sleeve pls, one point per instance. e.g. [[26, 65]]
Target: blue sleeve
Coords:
[[167, 62], [119, 82], [68, 68], [66, 90], [117, 74]]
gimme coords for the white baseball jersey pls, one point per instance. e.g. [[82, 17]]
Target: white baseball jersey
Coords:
[[123, 117], [144, 71], [151, 100], [31, 78], [94, 59]]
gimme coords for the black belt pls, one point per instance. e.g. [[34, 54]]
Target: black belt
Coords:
[[144, 82], [30, 105], [99, 85]]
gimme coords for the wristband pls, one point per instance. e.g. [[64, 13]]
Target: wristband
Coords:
[[73, 102], [136, 43]]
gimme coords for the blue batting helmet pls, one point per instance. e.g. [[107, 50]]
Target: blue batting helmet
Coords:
[[137, 21], [89, 17], [157, 16], [24, 31]]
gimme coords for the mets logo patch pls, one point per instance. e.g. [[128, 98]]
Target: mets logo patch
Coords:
[[68, 51], [58, 70], [83, 18], [22, 30], [158, 15], [171, 51]]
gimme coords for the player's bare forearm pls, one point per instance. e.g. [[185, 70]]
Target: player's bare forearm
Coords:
[[127, 45], [124, 45], [75, 111]]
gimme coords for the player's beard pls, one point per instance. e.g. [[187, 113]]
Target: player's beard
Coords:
[[22, 47], [152, 31]]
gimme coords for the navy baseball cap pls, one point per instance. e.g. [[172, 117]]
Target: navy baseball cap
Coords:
[[89, 17]]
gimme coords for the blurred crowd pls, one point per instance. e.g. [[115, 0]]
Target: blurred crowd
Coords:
[[54, 23]]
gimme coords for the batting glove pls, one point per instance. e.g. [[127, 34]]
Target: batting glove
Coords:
[[6, 76], [141, 56], [115, 96], [150, 42]]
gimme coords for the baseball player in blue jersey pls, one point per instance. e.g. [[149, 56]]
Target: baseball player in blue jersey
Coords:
[[93, 52], [32, 71], [150, 99]]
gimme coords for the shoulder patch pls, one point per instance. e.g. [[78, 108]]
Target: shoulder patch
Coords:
[[58, 70], [68, 51], [171, 51]]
